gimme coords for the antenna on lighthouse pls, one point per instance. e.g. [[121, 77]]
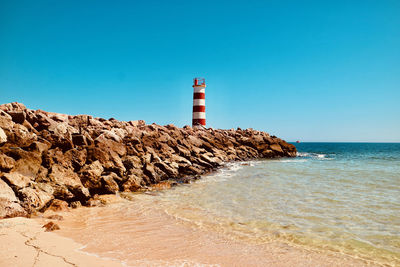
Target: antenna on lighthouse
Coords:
[[199, 102]]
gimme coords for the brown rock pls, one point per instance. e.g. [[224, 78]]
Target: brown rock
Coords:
[[194, 141], [9, 204], [288, 148], [107, 157], [203, 163], [3, 136], [17, 180], [5, 120], [76, 204], [276, 147], [268, 153], [64, 176], [62, 192], [180, 160], [58, 205], [215, 162], [109, 184], [90, 175], [39, 147], [170, 171], [108, 135], [262, 146], [150, 172], [77, 157], [67, 183], [26, 163], [133, 183], [34, 199], [137, 123], [183, 151], [61, 129], [17, 116], [59, 117], [6, 192], [132, 162], [9, 209], [60, 142], [14, 106], [51, 226], [6, 163], [19, 135]]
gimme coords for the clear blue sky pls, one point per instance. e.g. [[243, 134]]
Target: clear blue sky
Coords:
[[307, 70]]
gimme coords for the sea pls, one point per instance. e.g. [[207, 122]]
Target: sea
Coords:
[[336, 198]]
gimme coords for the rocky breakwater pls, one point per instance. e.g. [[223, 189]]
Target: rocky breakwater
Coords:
[[51, 160]]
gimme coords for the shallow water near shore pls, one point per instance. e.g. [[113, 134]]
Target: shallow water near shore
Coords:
[[331, 204]]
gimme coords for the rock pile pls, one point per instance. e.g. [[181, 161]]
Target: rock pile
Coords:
[[50, 159]]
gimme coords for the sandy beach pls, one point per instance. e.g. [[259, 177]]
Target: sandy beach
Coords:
[[23, 242], [105, 236]]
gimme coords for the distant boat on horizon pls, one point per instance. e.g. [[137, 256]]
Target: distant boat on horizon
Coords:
[[297, 141]]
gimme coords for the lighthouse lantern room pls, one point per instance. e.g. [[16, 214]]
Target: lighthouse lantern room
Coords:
[[199, 102]]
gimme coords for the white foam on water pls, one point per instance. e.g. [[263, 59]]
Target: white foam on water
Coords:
[[314, 156], [234, 166], [291, 160], [224, 173]]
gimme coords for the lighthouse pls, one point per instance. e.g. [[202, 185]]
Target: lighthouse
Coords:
[[199, 102]]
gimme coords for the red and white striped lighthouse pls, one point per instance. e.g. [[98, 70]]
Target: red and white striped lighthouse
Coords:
[[199, 102]]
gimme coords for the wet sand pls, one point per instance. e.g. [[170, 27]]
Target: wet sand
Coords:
[[120, 236]]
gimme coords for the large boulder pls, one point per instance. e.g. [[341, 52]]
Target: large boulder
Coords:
[[34, 199], [90, 176], [3, 136], [110, 186], [276, 148], [9, 204], [5, 120], [133, 183], [19, 135], [17, 180], [68, 184], [26, 162]]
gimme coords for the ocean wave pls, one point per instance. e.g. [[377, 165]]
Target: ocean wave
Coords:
[[234, 166], [292, 160], [314, 156]]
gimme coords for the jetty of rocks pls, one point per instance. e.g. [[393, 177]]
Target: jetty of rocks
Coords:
[[48, 159]]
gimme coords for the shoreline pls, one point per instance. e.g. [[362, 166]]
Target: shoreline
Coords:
[[96, 236]]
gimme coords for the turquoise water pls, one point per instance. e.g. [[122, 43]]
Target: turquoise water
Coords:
[[342, 197]]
